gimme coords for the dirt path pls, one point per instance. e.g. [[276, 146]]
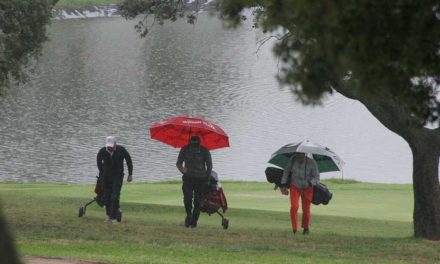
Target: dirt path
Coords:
[[41, 260]]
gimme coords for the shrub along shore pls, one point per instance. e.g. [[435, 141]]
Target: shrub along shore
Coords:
[[364, 223]]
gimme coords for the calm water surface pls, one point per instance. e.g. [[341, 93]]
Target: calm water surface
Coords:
[[96, 77]]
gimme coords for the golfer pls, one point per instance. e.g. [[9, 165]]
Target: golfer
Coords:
[[110, 162], [302, 174], [195, 163]]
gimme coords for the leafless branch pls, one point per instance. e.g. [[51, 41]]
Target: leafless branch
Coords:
[[263, 41]]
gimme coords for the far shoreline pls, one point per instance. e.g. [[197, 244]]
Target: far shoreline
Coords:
[[227, 181], [75, 12], [73, 9]]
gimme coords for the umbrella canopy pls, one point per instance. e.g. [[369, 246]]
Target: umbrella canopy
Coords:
[[176, 132], [326, 159]]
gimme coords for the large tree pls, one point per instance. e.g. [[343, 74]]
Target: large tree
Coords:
[[384, 54], [22, 32]]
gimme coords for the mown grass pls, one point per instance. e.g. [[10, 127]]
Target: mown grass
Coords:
[[364, 223]]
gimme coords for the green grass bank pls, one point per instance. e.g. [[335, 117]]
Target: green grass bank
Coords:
[[364, 223], [84, 3]]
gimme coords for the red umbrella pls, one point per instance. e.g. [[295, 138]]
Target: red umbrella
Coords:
[[176, 131]]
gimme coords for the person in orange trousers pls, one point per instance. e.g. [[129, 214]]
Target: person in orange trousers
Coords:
[[300, 175]]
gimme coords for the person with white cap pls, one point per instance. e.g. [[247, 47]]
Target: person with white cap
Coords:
[[110, 162]]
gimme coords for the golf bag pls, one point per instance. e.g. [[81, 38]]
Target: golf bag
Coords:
[[99, 199], [99, 191], [274, 175], [214, 199], [321, 194]]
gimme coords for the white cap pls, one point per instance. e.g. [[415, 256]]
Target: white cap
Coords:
[[110, 141]]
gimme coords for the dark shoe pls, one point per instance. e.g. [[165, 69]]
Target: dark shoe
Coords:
[[195, 218], [305, 231], [188, 221]]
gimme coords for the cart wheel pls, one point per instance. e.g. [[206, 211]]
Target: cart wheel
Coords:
[[81, 212], [225, 223], [119, 216]]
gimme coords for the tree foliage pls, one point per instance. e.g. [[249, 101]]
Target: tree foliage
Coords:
[[160, 10], [22, 32], [367, 46], [370, 46]]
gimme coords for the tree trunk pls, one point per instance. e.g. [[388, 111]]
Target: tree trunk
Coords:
[[426, 215], [8, 253], [425, 147]]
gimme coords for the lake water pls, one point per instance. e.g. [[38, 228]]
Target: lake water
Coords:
[[96, 77]]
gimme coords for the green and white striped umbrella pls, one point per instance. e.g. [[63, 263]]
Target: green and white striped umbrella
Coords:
[[326, 159]]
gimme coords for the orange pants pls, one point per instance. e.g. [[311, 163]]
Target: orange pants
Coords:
[[306, 200]]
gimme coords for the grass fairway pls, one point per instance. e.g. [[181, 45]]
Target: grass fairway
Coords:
[[364, 223]]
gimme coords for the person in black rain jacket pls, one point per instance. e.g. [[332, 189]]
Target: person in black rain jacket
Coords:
[[196, 171], [110, 162]]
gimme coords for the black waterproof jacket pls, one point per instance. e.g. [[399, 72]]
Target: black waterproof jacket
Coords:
[[111, 166], [198, 162]]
